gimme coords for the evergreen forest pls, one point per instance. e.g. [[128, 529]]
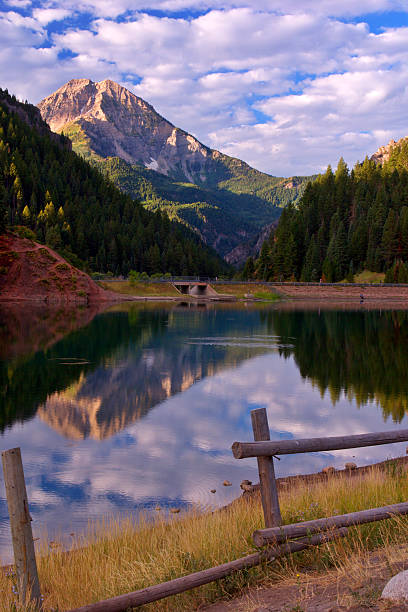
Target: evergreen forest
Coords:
[[345, 222], [61, 200]]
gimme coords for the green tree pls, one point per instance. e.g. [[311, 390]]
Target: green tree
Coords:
[[389, 242], [3, 209], [249, 269]]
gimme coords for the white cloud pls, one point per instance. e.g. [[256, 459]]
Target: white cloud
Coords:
[[286, 87], [348, 8], [16, 30], [45, 16], [19, 3]]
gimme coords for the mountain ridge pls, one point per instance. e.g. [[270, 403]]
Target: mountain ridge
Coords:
[[105, 122], [122, 127]]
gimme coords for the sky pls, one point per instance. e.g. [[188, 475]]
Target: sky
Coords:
[[289, 87]]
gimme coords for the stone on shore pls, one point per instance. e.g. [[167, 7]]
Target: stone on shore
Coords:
[[246, 485], [397, 588]]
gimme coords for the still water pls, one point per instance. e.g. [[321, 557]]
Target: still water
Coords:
[[137, 407]]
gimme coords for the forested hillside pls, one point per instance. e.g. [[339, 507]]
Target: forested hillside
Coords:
[[222, 218], [345, 222], [73, 208]]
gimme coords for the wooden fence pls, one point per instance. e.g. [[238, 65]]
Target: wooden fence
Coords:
[[276, 537]]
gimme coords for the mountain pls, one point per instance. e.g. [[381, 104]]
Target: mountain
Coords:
[[74, 209], [240, 254], [221, 197], [345, 222], [384, 153]]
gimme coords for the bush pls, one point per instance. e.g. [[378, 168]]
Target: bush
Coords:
[[23, 232]]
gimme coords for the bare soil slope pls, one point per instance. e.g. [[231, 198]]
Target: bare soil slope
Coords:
[[31, 271], [350, 292]]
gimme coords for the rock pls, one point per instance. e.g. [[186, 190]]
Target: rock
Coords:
[[383, 153], [397, 588], [350, 466], [246, 485], [213, 490], [250, 247], [174, 510], [227, 483], [329, 470]]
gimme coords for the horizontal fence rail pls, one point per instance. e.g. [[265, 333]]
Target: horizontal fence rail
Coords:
[[295, 530], [271, 448]]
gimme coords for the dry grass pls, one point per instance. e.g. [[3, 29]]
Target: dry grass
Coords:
[[117, 557], [240, 290], [139, 289], [366, 276]]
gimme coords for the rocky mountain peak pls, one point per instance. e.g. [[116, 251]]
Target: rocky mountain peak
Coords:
[[383, 153], [116, 123]]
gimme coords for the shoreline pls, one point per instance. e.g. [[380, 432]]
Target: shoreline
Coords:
[[283, 482]]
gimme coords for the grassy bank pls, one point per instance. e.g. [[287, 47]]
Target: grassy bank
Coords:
[[139, 289], [366, 276], [146, 289], [258, 291], [117, 557]]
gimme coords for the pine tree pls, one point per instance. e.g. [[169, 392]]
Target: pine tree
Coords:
[[3, 210], [389, 242], [249, 269]]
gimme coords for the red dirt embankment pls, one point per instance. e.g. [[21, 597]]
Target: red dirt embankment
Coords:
[[32, 271]]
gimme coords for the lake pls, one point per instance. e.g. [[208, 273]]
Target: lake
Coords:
[[137, 407]]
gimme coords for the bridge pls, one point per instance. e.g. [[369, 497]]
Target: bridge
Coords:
[[199, 289]]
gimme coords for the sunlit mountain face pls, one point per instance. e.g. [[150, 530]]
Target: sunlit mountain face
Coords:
[[138, 406]]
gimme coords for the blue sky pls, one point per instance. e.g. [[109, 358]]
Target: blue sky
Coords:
[[287, 86]]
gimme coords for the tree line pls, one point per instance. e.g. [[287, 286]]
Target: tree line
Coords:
[[73, 208], [345, 222]]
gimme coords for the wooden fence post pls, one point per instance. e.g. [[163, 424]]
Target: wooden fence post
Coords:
[[20, 524], [269, 491]]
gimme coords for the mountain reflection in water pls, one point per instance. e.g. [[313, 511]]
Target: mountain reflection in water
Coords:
[[138, 406]]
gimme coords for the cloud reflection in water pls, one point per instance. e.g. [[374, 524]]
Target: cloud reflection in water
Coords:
[[180, 449]]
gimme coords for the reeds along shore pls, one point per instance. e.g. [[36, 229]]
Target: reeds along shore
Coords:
[[115, 557]]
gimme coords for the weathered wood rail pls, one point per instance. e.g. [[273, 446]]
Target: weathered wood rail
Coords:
[[275, 535], [265, 449], [271, 448]]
